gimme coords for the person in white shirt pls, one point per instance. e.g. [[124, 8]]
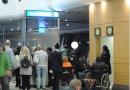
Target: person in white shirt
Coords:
[[10, 53], [41, 61]]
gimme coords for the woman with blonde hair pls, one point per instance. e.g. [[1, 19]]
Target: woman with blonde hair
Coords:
[[25, 72]]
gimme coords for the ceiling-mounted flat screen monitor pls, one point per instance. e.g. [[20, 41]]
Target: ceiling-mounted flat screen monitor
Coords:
[[41, 13]]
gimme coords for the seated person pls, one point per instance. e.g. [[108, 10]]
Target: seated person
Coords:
[[67, 70], [66, 63]]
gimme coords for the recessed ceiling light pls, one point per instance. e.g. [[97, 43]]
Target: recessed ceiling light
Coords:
[[66, 20], [11, 29], [67, 24], [18, 28]]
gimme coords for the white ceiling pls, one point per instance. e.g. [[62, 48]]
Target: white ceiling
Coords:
[[16, 9]]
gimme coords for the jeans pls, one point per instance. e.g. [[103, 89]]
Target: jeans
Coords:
[[42, 73], [4, 83]]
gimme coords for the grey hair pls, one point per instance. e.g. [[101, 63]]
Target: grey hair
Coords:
[[74, 83], [7, 43]]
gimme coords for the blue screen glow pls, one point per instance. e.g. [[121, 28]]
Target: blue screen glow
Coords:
[[41, 30], [41, 25], [41, 13]]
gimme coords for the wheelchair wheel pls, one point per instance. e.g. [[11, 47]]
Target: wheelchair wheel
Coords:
[[105, 82]]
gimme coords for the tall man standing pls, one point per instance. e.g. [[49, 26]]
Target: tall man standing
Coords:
[[10, 53], [56, 66]]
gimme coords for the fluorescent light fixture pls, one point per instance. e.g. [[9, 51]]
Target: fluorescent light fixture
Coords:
[[91, 8], [41, 13], [127, 2], [11, 29], [103, 4]]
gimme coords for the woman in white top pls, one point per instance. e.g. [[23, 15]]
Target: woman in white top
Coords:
[[25, 72], [41, 61]]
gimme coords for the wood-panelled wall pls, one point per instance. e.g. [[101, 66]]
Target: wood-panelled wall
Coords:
[[115, 13]]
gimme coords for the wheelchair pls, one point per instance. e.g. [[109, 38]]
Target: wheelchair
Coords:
[[97, 78]]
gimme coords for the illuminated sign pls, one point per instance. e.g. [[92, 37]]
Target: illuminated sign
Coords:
[[41, 25], [41, 13]]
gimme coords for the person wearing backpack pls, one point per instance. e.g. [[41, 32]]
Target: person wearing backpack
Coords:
[[25, 68]]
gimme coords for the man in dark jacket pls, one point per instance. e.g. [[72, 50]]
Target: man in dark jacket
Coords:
[[50, 58], [56, 67]]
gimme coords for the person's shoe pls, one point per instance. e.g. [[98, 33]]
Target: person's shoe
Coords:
[[20, 87], [17, 86], [48, 85]]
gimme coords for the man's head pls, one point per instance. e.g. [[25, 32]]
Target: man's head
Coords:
[[57, 46], [7, 43], [49, 49]]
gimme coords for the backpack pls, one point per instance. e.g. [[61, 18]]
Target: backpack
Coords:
[[25, 63], [36, 59]]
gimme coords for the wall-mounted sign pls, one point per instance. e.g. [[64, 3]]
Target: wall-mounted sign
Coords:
[[41, 13], [98, 31], [109, 31]]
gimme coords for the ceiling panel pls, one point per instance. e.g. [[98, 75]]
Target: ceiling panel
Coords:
[[16, 9]]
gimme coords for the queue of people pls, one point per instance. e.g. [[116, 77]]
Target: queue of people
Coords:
[[47, 65], [22, 63]]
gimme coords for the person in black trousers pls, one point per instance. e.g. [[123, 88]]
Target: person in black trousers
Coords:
[[49, 51], [17, 70], [56, 67], [105, 57]]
